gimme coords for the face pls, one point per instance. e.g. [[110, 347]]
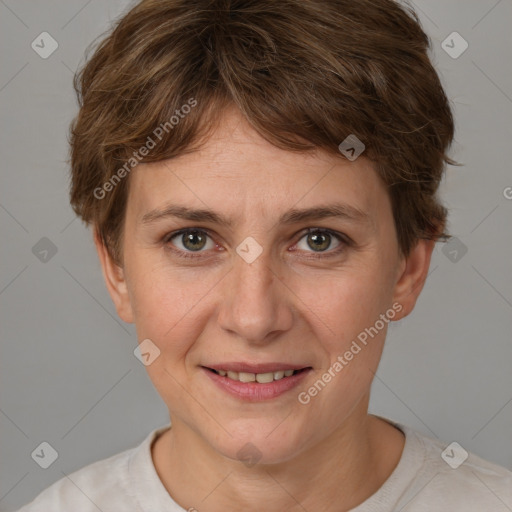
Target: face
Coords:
[[249, 258]]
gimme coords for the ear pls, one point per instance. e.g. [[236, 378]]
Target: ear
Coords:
[[412, 276], [115, 281]]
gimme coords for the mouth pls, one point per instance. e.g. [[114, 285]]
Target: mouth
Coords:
[[258, 382], [261, 378]]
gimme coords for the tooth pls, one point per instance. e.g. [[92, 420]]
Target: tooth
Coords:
[[246, 377], [263, 378]]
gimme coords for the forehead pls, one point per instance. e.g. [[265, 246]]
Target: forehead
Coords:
[[238, 172]]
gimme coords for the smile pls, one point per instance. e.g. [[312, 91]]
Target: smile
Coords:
[[264, 382], [262, 378]]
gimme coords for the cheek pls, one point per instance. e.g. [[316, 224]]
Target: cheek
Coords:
[[344, 303], [166, 303], [351, 333]]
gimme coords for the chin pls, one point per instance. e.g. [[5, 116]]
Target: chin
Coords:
[[256, 446]]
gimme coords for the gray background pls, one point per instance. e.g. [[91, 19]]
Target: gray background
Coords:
[[69, 376]]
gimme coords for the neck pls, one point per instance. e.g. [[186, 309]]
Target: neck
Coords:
[[346, 468]]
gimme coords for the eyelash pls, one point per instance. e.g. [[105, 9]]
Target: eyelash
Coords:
[[344, 240]]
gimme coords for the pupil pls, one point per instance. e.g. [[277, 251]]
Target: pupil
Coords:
[[192, 239], [320, 241]]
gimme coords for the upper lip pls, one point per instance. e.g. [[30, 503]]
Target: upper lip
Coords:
[[255, 367]]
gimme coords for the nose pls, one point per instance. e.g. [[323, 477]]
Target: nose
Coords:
[[255, 304]]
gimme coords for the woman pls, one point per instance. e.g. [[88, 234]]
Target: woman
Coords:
[[261, 180]]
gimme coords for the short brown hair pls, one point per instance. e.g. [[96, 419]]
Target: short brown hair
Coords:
[[304, 73]]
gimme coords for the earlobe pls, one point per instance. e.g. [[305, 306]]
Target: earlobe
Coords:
[[114, 280], [412, 276]]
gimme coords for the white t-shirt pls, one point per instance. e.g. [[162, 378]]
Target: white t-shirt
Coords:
[[422, 482]]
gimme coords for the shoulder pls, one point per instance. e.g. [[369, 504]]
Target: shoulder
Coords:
[[102, 485], [456, 479], [86, 489]]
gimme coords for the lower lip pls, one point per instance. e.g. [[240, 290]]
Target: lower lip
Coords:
[[254, 391]]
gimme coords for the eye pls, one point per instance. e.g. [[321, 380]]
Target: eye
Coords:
[[190, 240], [319, 240]]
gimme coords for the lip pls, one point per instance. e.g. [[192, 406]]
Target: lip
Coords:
[[254, 367], [254, 391]]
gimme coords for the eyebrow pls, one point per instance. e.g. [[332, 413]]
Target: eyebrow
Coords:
[[336, 210]]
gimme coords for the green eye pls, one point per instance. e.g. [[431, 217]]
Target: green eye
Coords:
[[320, 240], [194, 240], [190, 240]]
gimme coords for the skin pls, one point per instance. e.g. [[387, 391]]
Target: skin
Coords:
[[285, 306]]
